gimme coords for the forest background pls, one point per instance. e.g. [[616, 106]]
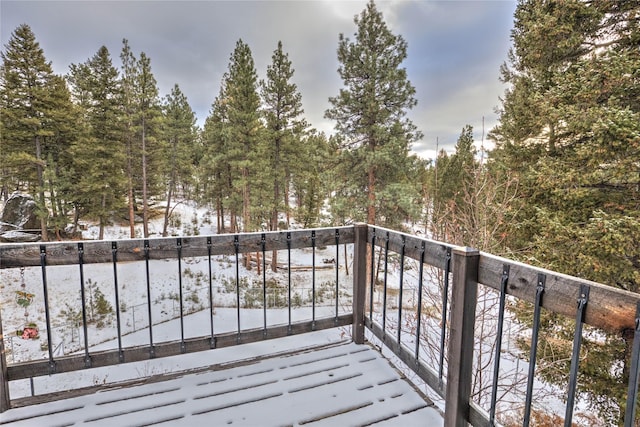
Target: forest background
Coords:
[[561, 188]]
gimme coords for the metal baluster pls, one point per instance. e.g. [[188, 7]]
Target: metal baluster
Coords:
[[372, 274], [420, 277], [583, 299], [337, 271], [289, 273], [114, 257], [152, 350], [400, 292], [313, 280], [179, 250], [445, 300], [384, 293], [47, 314], [263, 243], [496, 366], [634, 375], [534, 348], [87, 359], [212, 344], [236, 244]]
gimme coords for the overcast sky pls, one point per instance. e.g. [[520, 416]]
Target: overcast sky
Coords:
[[455, 48]]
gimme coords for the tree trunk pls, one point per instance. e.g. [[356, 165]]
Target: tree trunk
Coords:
[[276, 201], [371, 208], [166, 213], [287, 208], [145, 203], [245, 211], [102, 218], [132, 223], [41, 202]]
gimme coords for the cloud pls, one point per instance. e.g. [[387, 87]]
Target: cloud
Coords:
[[455, 47]]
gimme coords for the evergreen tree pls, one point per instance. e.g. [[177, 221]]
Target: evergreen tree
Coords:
[[370, 114], [569, 129], [309, 180], [215, 168], [143, 114], [451, 183], [244, 127], [283, 108], [180, 135], [29, 94], [128, 84], [149, 123], [98, 159]]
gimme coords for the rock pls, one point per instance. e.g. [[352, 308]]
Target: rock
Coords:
[[18, 237], [20, 212]]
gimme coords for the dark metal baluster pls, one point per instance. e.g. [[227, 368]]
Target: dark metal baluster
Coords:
[[400, 292], [87, 359], [372, 274], [496, 366], [313, 280], [47, 314], [236, 244], [337, 270], [212, 344], [534, 348], [420, 277], [289, 273], [583, 299], [179, 250], [445, 301], [114, 257], [634, 375], [263, 242], [152, 350], [384, 293]]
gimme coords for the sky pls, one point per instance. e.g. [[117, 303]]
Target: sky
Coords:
[[455, 49]]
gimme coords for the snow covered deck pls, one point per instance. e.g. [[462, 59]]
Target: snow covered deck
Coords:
[[336, 384]]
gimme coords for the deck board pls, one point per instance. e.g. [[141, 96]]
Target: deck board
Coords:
[[345, 384]]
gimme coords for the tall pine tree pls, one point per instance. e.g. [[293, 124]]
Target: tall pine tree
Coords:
[[34, 106], [370, 113], [98, 159], [244, 126], [180, 135], [284, 127]]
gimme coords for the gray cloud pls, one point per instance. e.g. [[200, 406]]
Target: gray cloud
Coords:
[[455, 48]]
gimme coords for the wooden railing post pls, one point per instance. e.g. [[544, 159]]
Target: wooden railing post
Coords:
[[464, 293], [359, 282], [5, 402]]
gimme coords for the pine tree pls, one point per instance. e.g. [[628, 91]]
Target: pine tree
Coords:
[[569, 129], [215, 167], [310, 178], [143, 114], [244, 126], [29, 94], [149, 123], [180, 135], [370, 114], [128, 84], [284, 125], [98, 159], [451, 183]]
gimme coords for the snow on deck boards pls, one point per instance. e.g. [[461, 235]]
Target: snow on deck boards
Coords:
[[341, 385]]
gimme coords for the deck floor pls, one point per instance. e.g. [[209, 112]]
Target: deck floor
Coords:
[[338, 385]]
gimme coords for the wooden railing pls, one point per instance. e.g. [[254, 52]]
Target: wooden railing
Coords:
[[388, 269]]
